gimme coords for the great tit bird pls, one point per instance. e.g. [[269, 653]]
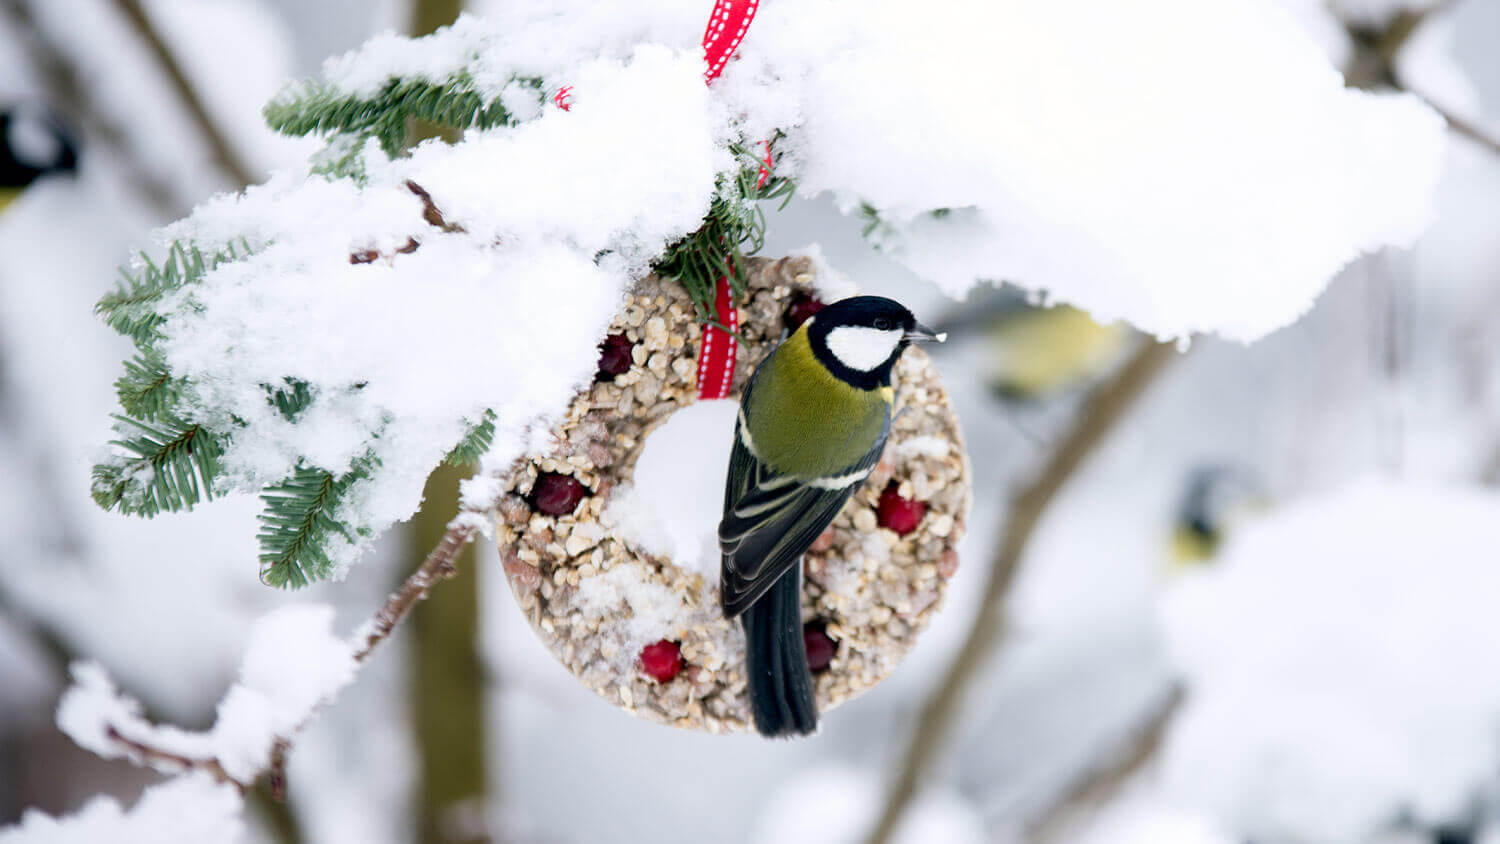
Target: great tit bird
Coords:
[[1034, 352], [813, 421], [1215, 495], [31, 146]]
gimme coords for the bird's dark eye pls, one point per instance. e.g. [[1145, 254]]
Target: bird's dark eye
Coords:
[[882, 324]]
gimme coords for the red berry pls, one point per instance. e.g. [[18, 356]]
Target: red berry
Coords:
[[557, 495], [802, 308], [820, 646], [661, 661], [614, 357], [899, 514]]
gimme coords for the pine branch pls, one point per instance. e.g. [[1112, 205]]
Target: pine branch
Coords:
[[300, 523], [454, 104], [147, 391], [167, 466], [131, 309], [303, 528], [291, 399], [734, 227], [475, 443]]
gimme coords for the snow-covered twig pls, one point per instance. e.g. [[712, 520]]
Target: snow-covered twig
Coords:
[[1374, 64], [1105, 408], [1457, 124], [108, 724], [159, 757], [437, 566]]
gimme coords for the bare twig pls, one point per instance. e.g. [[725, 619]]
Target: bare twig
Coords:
[[225, 156], [437, 566], [277, 772], [430, 211], [1099, 785], [1105, 408]]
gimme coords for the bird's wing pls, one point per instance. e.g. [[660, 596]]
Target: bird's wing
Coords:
[[771, 518]]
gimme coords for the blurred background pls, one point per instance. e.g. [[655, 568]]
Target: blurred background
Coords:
[[1259, 611]]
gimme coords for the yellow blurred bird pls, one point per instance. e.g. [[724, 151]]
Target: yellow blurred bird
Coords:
[[1214, 498], [1032, 353]]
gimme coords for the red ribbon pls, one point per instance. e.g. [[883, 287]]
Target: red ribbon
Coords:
[[726, 29], [719, 349]]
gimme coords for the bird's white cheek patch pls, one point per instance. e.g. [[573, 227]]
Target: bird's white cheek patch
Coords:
[[861, 347]]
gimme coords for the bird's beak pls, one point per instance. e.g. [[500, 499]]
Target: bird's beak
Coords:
[[920, 333]]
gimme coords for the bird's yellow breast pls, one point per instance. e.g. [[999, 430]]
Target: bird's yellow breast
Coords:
[[806, 421]]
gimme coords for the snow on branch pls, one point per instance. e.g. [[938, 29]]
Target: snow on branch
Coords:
[[1183, 166], [350, 333], [292, 667], [188, 809], [292, 663]]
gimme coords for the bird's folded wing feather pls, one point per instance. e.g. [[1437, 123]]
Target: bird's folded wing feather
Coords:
[[771, 518]]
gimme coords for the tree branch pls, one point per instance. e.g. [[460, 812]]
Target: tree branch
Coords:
[[1099, 784], [67, 93], [437, 566], [1105, 408], [224, 154], [1456, 124], [430, 211], [140, 752], [1373, 65]]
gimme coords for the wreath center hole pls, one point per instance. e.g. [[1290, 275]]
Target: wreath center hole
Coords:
[[673, 506]]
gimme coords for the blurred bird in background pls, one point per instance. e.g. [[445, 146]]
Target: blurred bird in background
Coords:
[[33, 145], [1214, 497], [1033, 353]]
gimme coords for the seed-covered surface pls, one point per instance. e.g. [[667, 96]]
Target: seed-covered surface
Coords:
[[600, 604]]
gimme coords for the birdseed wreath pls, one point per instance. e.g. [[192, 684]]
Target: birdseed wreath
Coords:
[[649, 636]]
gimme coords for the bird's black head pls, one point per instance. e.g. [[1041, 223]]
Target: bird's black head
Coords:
[[860, 339]]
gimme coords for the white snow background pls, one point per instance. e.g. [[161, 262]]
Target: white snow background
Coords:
[[1190, 167]]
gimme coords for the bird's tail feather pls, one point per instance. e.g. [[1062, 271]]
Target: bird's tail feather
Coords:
[[781, 686]]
